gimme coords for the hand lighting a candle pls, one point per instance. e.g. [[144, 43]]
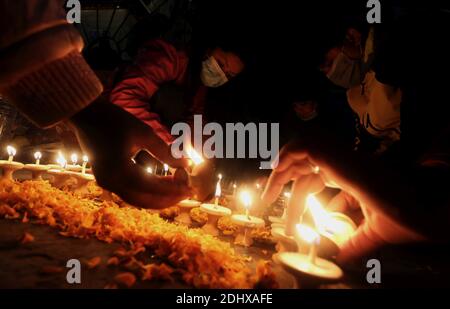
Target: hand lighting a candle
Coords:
[[335, 226]]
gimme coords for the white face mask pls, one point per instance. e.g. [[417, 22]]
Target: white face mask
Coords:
[[212, 74], [345, 72]]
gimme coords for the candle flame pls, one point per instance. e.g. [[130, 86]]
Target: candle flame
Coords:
[[149, 170], [85, 159], [316, 169], [37, 155], [246, 199], [194, 156], [307, 233], [287, 195], [220, 176], [11, 151], [74, 158], [61, 160], [166, 167], [325, 223], [234, 186], [258, 186]]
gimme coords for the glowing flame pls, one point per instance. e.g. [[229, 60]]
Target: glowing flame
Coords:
[[326, 223], [258, 186], [307, 233], [61, 160], [74, 158], [234, 186], [246, 199], [166, 167], [287, 194], [220, 176], [37, 155], [85, 159], [149, 170], [316, 169], [11, 151], [194, 156]]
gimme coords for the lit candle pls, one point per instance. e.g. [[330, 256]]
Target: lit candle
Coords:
[[218, 192], [316, 169], [61, 161], [11, 153], [149, 170], [234, 189], [311, 237], [74, 159], [287, 197], [194, 156], [166, 169], [246, 199], [335, 226], [38, 157], [85, 162], [258, 186]]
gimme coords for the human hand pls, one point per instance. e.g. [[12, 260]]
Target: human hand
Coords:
[[111, 136], [379, 227]]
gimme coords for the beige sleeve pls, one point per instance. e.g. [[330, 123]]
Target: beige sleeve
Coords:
[[42, 71], [378, 107]]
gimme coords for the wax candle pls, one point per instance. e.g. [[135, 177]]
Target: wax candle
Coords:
[[218, 192], [311, 237], [61, 160], [38, 157], [11, 153], [85, 162], [246, 199], [74, 159]]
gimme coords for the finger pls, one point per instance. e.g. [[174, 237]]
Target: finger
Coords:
[[278, 179], [129, 177], [302, 187], [160, 150], [343, 202], [289, 156], [362, 243]]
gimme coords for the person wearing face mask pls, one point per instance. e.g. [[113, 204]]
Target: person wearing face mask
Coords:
[[376, 105], [164, 86]]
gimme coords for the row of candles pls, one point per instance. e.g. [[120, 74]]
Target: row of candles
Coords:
[[37, 168], [329, 227], [334, 227]]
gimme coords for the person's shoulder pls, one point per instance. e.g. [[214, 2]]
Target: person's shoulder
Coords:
[[157, 49]]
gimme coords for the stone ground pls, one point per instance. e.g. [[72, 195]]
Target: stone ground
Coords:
[[21, 265]]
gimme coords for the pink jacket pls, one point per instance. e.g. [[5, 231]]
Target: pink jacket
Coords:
[[157, 62]]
